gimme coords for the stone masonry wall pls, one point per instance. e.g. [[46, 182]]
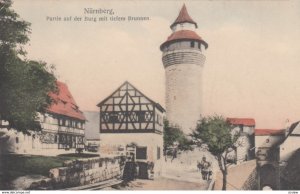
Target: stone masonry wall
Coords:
[[239, 177], [251, 182], [183, 57], [183, 95], [81, 172]]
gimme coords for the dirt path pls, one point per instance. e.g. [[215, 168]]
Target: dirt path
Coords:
[[162, 184]]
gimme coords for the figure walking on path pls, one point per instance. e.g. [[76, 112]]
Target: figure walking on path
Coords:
[[174, 154], [205, 167]]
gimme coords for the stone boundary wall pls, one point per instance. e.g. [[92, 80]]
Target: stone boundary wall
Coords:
[[251, 182], [81, 172], [239, 177]]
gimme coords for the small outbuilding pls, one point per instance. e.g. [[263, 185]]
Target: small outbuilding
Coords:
[[131, 124]]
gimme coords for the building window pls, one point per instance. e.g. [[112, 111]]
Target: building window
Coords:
[[63, 122], [62, 138], [17, 139], [141, 116], [113, 118], [192, 44], [141, 153]]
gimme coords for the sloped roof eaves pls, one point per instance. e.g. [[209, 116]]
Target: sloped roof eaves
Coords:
[[183, 35], [105, 99], [273, 132], [157, 105], [292, 127], [242, 121], [66, 114], [64, 103]]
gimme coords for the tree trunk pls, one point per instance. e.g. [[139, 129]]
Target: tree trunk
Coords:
[[224, 180], [223, 168]]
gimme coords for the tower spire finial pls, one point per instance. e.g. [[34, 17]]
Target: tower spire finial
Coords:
[[184, 17]]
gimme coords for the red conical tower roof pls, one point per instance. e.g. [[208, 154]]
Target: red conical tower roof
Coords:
[[183, 34], [184, 17]]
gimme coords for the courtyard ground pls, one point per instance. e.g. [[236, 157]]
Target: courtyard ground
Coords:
[[161, 184], [179, 174], [185, 166]]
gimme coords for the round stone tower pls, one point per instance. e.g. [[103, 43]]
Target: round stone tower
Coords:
[[183, 61]]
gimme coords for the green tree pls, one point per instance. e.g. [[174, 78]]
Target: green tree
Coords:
[[175, 134], [216, 133], [24, 84]]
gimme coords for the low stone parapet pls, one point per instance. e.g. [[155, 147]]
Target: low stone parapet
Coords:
[[80, 172]]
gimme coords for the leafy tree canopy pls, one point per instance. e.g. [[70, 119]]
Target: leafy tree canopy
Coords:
[[217, 134], [24, 84], [13, 31], [175, 134]]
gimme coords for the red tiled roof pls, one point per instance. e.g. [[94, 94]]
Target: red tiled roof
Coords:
[[64, 103], [183, 17], [241, 121], [269, 131], [184, 35]]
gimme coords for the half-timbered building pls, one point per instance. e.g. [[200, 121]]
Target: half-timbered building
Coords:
[[131, 124], [63, 128]]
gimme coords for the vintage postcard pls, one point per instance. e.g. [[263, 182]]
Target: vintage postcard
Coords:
[[149, 95]]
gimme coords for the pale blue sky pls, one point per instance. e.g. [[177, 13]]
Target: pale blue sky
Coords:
[[252, 67]]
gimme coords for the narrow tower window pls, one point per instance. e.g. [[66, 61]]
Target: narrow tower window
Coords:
[[192, 44]]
